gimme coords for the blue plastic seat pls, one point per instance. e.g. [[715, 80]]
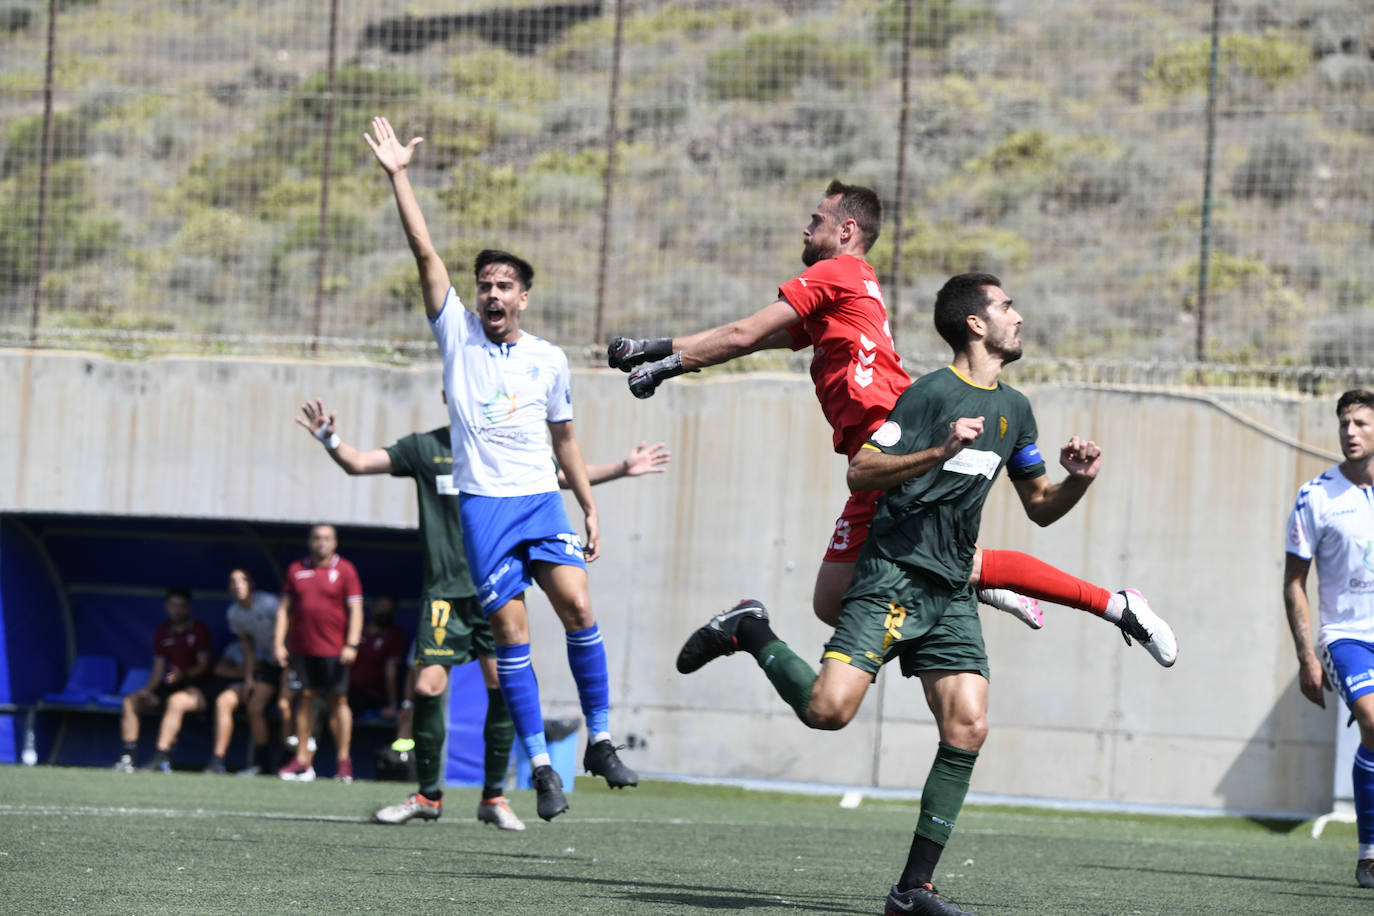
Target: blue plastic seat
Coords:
[[133, 679], [90, 676]]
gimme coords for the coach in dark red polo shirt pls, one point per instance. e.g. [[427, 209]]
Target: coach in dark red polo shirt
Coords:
[[322, 610]]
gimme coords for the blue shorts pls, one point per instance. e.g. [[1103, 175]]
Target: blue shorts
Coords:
[[504, 536], [1349, 665]]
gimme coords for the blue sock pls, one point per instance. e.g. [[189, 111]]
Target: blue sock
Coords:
[[521, 691], [1362, 780], [587, 659]]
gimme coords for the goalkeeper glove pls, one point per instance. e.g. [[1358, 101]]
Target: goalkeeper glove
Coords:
[[645, 380], [625, 353]]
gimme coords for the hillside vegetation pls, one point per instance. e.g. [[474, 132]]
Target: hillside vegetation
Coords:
[[1059, 144]]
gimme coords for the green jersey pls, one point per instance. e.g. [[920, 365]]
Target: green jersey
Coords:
[[931, 521], [428, 458]]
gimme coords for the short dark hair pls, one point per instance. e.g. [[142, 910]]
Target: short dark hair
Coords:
[[960, 297], [862, 206], [239, 569], [1358, 397], [179, 591], [521, 267]]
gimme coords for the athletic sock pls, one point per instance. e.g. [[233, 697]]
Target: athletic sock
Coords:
[[521, 690], [262, 757], [921, 860], [942, 796], [1362, 782], [789, 674], [498, 734], [752, 634], [429, 725], [587, 659], [131, 748], [1023, 573]]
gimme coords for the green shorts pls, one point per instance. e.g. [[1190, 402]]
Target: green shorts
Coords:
[[451, 631], [892, 611]]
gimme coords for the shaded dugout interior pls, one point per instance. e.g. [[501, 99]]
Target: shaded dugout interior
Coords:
[[78, 585]]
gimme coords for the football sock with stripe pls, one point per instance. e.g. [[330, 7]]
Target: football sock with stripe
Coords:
[[1362, 782], [498, 735], [521, 690], [428, 724], [587, 659], [789, 674], [1023, 573]]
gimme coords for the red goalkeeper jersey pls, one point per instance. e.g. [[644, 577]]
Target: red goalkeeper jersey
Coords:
[[855, 366]]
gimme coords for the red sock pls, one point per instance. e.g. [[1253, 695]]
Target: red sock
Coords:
[[1023, 573]]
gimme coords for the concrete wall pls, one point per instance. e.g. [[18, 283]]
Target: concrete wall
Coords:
[[1190, 508]]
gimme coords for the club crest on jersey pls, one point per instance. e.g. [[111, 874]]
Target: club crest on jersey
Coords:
[[1001, 428]]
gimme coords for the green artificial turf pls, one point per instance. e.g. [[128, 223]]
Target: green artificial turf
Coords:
[[96, 841]]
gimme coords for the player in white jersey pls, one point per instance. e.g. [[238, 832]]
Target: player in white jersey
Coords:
[[507, 390], [1333, 523]]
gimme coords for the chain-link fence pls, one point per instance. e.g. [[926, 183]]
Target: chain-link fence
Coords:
[[1159, 184]]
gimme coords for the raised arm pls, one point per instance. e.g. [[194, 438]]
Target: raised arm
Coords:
[[1045, 502], [321, 424], [871, 469], [394, 157], [1311, 678], [569, 456], [642, 459], [764, 330]]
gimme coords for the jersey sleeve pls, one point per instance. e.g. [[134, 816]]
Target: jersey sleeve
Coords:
[[801, 337], [288, 587], [353, 584], [451, 326], [1302, 527], [158, 650], [204, 641], [403, 454], [907, 428], [1026, 462], [238, 622], [815, 288], [559, 408]]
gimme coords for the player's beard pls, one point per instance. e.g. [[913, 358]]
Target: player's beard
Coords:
[[1009, 349], [813, 252]]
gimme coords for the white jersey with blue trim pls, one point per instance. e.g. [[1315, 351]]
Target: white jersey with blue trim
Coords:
[[501, 398], [1333, 523]]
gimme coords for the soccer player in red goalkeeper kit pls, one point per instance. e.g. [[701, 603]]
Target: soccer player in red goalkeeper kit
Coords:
[[836, 307]]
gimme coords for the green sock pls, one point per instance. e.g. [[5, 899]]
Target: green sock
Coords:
[[790, 675], [498, 733], [429, 728], [942, 796]]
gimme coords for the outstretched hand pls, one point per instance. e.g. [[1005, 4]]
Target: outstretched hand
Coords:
[[1081, 458], [388, 149], [645, 460], [624, 353], [315, 420]]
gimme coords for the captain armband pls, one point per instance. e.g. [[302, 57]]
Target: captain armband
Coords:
[[1024, 457]]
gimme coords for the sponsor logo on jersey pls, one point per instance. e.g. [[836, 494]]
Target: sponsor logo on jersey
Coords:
[[974, 462], [1001, 428], [498, 407]]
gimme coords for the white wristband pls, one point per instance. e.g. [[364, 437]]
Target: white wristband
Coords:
[[332, 442]]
